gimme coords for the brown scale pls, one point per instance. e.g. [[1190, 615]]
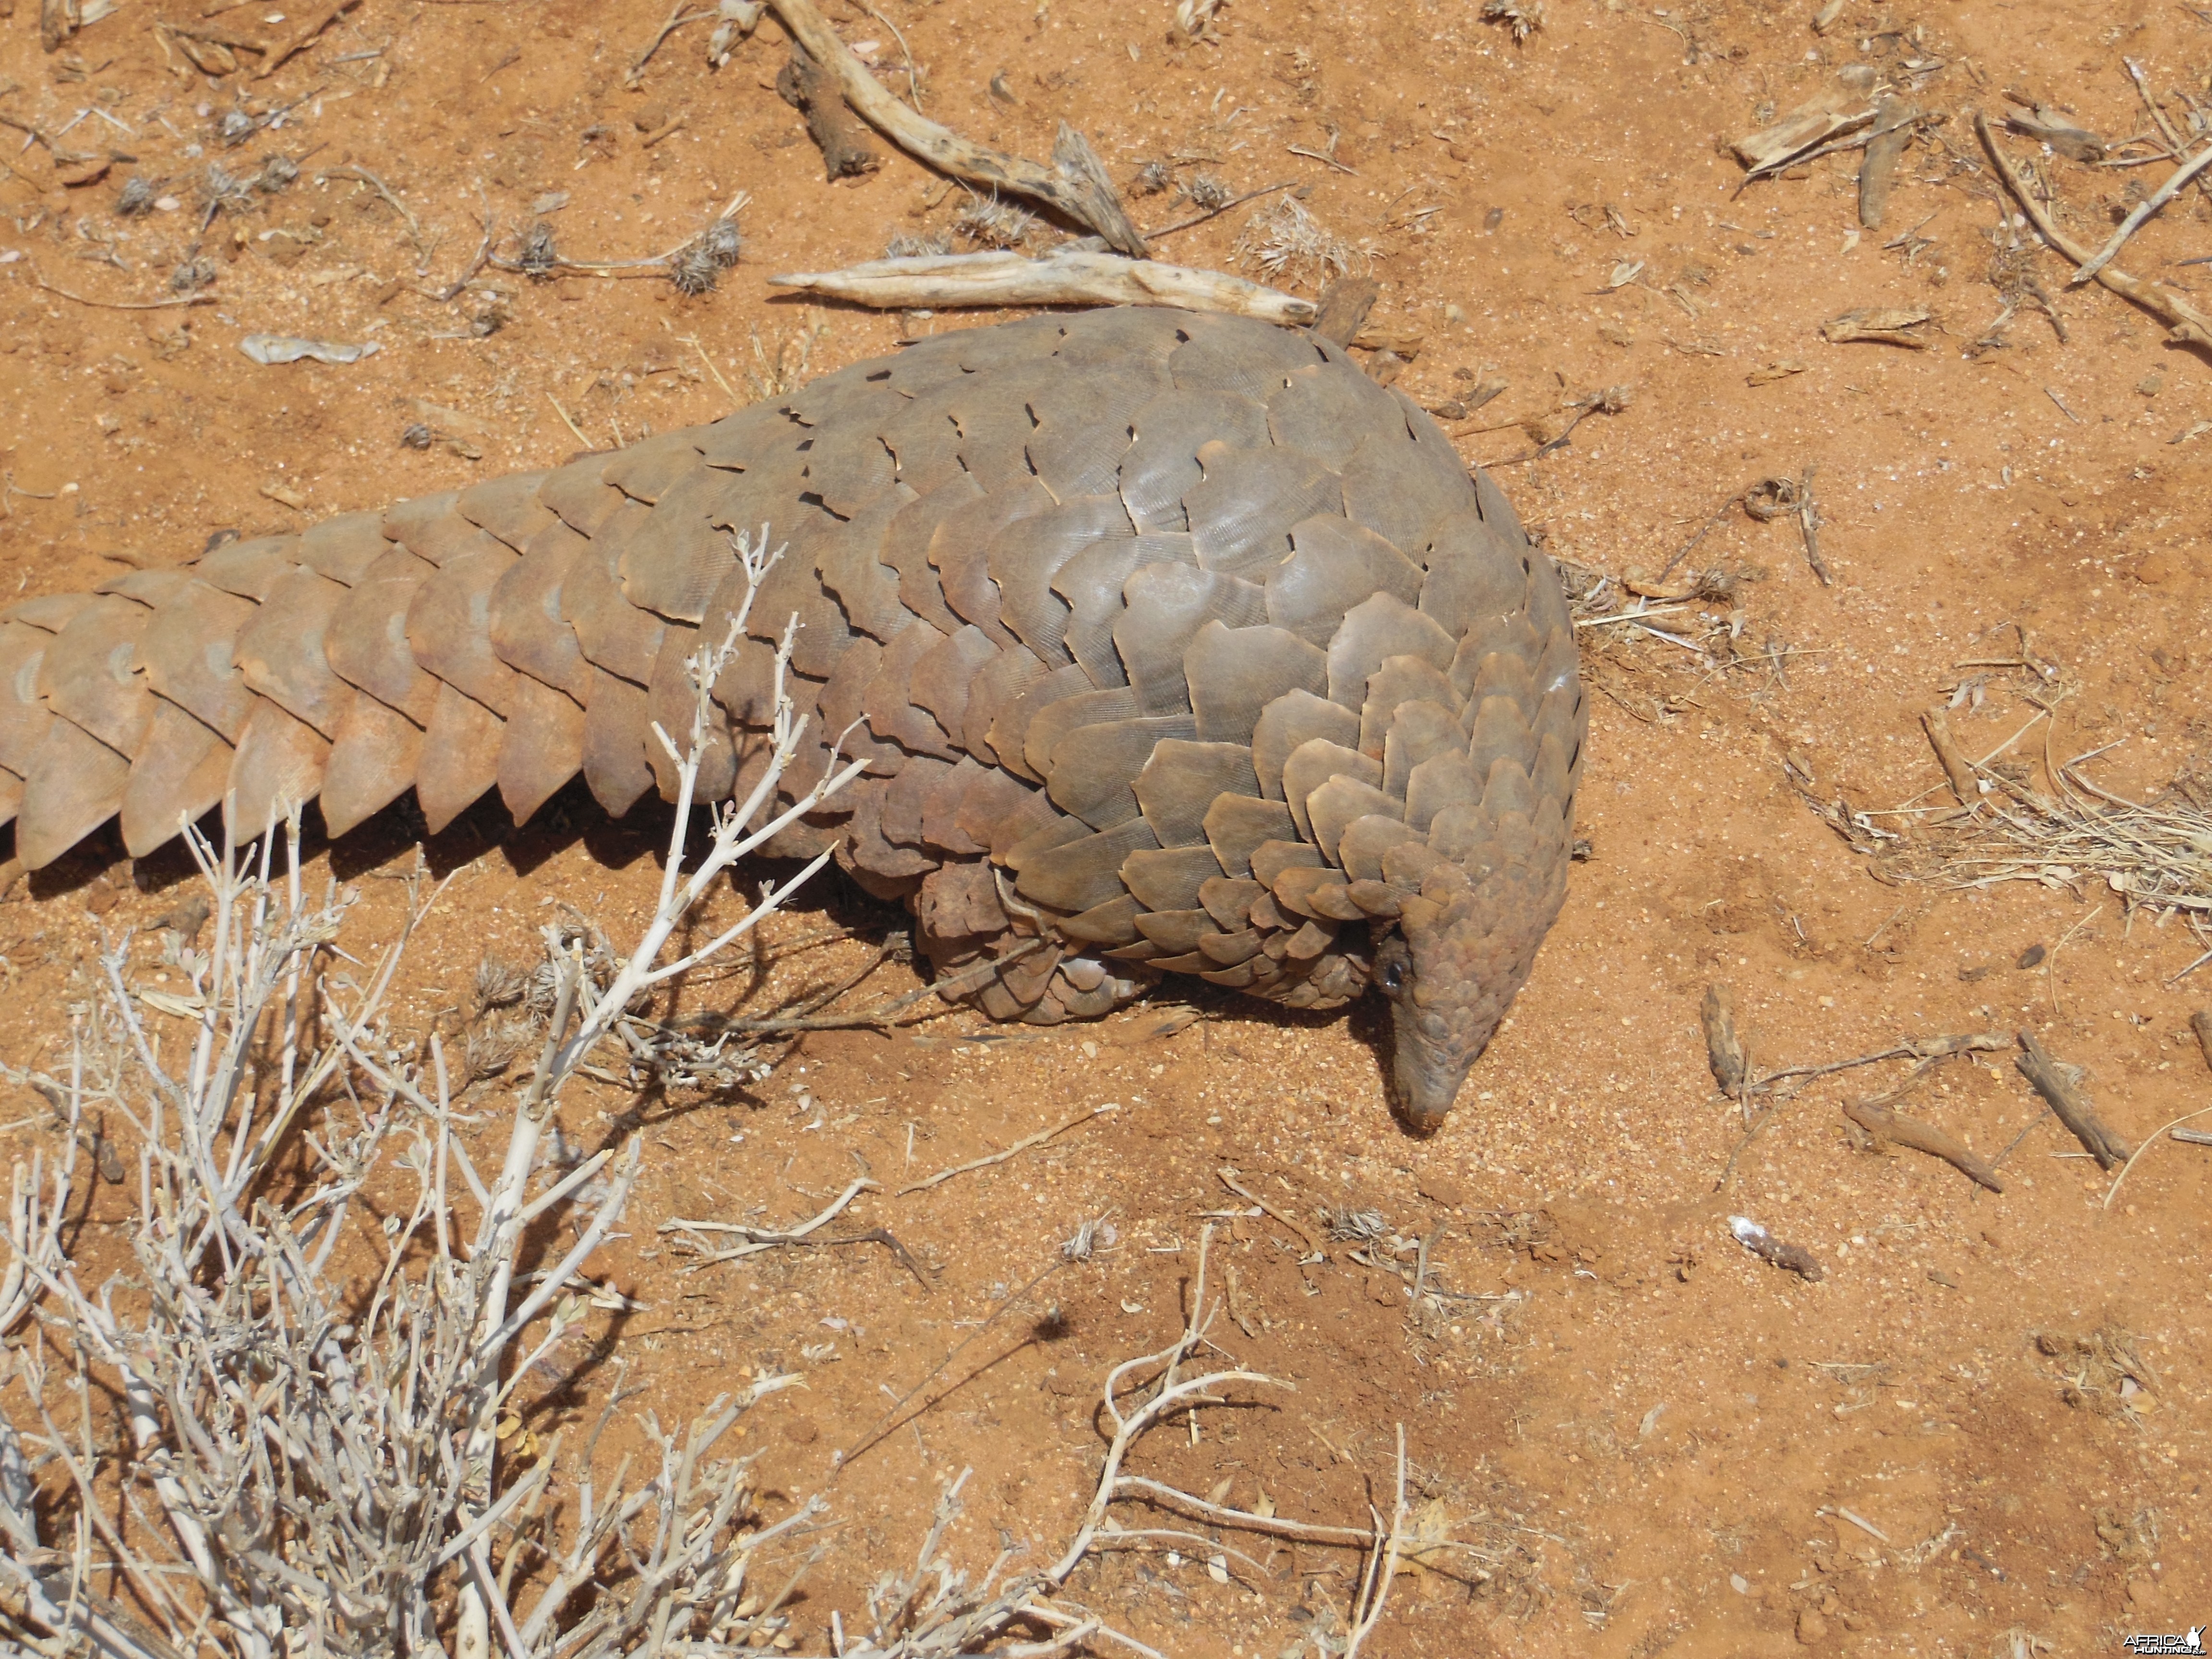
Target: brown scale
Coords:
[[1172, 643]]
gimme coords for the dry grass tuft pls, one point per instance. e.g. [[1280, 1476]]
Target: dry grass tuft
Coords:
[[2155, 856], [1287, 243]]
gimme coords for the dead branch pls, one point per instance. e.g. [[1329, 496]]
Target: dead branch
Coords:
[[1937, 725], [813, 91], [313, 25], [1075, 185], [759, 1238], [1886, 1125], [1229, 1179], [2060, 1085], [1724, 1048]]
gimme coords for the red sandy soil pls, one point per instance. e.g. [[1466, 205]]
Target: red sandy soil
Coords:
[[1649, 1436]]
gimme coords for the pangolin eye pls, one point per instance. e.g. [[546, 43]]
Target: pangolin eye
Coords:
[[1394, 976]]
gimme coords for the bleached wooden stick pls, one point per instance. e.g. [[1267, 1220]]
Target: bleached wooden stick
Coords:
[[951, 281]]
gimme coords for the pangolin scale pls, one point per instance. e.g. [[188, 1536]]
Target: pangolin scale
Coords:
[[1174, 640]]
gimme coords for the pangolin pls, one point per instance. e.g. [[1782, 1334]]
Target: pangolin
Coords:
[[1174, 644]]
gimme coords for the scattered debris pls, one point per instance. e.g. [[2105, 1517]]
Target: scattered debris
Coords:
[[1207, 193], [1231, 1179], [312, 24], [1781, 369], [2139, 216], [2186, 324], [1804, 133], [436, 424], [2156, 855], [2104, 1373], [694, 266], [986, 222], [537, 257], [1198, 20], [1089, 1238], [1937, 724], [734, 19], [1885, 144], [1792, 1258], [1775, 498], [1149, 1025], [1156, 177], [1020, 1146], [289, 348], [933, 244], [699, 265], [740, 18]]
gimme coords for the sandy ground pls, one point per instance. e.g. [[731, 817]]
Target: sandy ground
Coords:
[[1981, 1432]]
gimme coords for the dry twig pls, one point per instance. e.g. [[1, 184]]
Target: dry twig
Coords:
[[1724, 1048], [1018, 1147], [1879, 1120], [2060, 1085], [1229, 1179], [1075, 185]]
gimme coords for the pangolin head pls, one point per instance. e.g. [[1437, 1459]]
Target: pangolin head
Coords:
[[1461, 949]]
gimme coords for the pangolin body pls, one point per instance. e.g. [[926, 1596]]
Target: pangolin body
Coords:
[[1174, 644]]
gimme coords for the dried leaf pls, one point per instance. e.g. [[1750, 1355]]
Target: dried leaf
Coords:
[[1780, 369]]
